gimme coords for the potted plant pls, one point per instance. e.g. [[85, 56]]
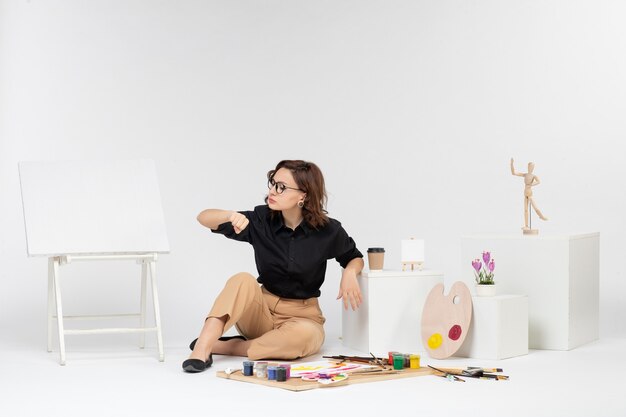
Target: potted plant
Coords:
[[483, 272]]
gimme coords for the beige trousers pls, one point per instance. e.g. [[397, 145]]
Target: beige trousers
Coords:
[[279, 328]]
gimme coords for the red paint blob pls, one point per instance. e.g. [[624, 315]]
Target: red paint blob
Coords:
[[455, 332]]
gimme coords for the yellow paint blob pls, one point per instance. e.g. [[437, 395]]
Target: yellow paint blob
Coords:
[[434, 341]]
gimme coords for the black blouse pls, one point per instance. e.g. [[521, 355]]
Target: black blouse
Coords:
[[292, 263]]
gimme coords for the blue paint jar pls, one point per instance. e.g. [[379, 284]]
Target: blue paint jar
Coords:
[[248, 368]]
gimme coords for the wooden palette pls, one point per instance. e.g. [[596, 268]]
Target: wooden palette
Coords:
[[446, 320], [297, 384]]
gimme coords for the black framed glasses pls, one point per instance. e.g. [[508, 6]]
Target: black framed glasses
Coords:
[[279, 187]]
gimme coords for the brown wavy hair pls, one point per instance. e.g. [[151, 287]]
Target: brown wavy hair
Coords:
[[309, 179]]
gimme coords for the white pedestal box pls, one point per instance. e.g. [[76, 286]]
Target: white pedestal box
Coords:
[[499, 328], [560, 275], [391, 313]]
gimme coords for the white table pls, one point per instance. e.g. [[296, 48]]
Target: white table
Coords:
[[499, 328], [390, 316], [560, 275]]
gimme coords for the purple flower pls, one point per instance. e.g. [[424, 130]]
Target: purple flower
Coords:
[[486, 257], [483, 270], [477, 264]]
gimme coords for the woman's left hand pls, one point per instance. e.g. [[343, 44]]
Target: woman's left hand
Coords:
[[349, 290]]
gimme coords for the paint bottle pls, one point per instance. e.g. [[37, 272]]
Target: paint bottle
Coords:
[[398, 361], [271, 373], [415, 361], [260, 368], [248, 368], [281, 374], [391, 357], [407, 360], [287, 367]]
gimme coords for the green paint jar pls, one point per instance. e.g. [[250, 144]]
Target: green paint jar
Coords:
[[398, 361]]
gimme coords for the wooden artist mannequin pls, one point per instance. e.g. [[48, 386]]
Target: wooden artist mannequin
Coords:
[[530, 180]]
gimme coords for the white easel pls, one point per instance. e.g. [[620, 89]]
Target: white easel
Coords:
[[55, 305], [412, 253], [123, 197]]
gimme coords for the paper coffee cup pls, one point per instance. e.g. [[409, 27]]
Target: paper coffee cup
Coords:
[[376, 258]]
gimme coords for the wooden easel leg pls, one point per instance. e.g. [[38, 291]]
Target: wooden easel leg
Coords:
[[59, 308], [142, 317], [157, 312]]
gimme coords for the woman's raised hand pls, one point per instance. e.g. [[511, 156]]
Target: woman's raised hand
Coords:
[[239, 221]]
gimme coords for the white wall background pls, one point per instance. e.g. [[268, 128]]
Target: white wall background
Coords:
[[411, 108]]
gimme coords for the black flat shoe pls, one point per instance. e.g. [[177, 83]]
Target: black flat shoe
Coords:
[[196, 365], [222, 339]]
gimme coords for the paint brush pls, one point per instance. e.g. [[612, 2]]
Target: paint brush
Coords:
[[486, 369], [377, 361], [360, 359], [485, 373], [374, 372], [496, 377], [474, 373], [447, 374], [463, 372]]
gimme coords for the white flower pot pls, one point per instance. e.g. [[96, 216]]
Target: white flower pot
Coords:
[[486, 290]]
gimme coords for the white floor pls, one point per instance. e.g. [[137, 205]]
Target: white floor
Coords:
[[119, 380]]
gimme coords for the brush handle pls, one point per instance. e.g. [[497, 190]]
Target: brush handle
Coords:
[[486, 369]]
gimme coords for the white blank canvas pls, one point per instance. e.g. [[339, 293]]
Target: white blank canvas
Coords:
[[92, 207], [412, 250]]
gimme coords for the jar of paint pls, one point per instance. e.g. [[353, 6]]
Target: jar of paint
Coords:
[[271, 373], [260, 369], [415, 361], [287, 367], [248, 368], [281, 374], [398, 361], [407, 360], [390, 360]]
